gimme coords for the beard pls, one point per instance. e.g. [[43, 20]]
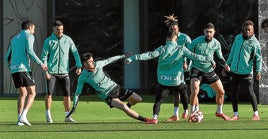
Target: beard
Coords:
[[208, 39], [246, 37]]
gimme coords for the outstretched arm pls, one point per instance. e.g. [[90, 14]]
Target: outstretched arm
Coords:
[[76, 99], [196, 57], [144, 56], [110, 60]]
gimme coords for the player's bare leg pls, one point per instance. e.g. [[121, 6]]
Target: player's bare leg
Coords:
[[194, 92], [134, 99], [21, 99], [29, 94], [176, 100], [67, 106], [131, 113], [218, 87], [48, 103]]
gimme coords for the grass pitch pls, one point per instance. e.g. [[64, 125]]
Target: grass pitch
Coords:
[[95, 120]]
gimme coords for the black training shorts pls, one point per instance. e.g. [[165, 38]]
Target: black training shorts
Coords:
[[208, 78], [120, 93], [23, 79]]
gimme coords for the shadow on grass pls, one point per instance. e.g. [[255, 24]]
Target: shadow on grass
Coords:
[[93, 97], [138, 130], [121, 127]]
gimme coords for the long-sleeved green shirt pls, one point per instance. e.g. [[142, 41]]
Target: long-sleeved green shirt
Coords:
[[97, 79], [55, 54], [202, 47], [170, 62], [184, 40], [19, 52], [242, 55]]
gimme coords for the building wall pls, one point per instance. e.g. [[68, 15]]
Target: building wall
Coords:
[[263, 38], [14, 12]]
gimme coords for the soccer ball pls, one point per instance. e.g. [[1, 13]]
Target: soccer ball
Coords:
[[197, 116]]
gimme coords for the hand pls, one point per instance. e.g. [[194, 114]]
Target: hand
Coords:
[[227, 68], [185, 66], [223, 72], [127, 61], [44, 67], [47, 76], [258, 76], [214, 66], [78, 71]]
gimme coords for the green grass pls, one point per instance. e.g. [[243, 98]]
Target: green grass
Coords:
[[95, 120]]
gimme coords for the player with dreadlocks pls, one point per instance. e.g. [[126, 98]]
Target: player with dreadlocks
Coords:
[[183, 40], [170, 75]]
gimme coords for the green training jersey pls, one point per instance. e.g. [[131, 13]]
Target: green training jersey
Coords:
[[202, 47], [20, 51], [170, 62], [55, 54], [102, 83], [184, 40], [243, 53]]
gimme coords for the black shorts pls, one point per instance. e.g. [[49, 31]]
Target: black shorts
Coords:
[[23, 79], [164, 90], [120, 93], [208, 78], [63, 82]]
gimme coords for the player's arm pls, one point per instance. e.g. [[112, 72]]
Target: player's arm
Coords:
[[231, 54], [258, 57], [220, 56], [30, 51], [187, 53], [8, 55], [144, 56], [107, 61], [75, 53], [78, 91]]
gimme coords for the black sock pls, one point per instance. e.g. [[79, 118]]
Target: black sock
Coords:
[[141, 118], [128, 104]]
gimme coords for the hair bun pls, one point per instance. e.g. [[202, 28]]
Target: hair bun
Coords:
[[171, 19]]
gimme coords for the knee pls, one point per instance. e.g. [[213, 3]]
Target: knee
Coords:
[[48, 96], [221, 92], [138, 99], [32, 93], [194, 93], [23, 95], [195, 83], [135, 97]]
